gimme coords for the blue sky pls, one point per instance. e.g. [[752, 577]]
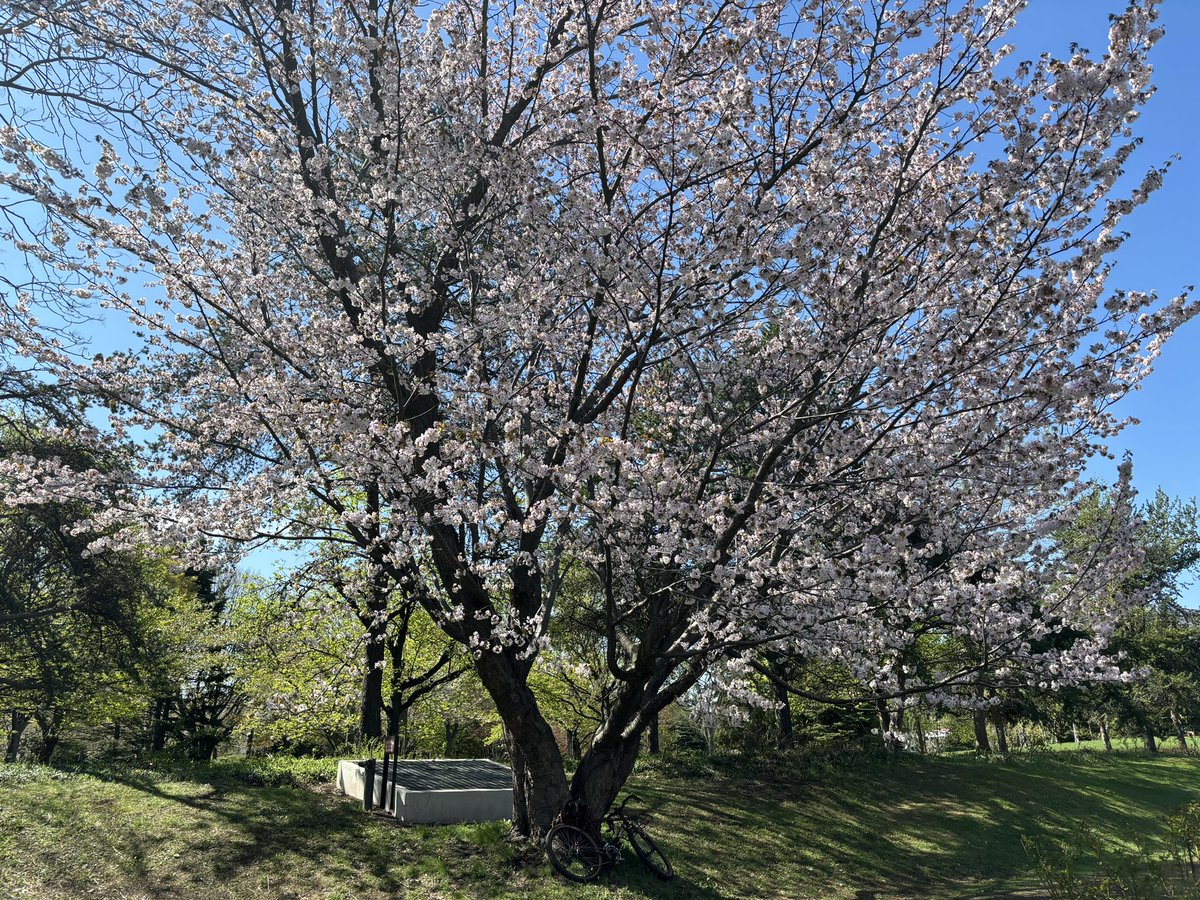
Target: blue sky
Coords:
[[1163, 253]]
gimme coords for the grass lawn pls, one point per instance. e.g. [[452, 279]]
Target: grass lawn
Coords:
[[946, 826]]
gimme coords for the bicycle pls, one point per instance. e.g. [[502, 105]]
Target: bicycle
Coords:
[[580, 848]]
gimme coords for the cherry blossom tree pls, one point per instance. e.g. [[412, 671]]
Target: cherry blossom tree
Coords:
[[725, 302]]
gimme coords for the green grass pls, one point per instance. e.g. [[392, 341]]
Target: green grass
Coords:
[[942, 826]]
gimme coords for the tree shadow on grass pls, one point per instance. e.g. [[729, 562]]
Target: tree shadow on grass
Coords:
[[917, 827], [270, 829]]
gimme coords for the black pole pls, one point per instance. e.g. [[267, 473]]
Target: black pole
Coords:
[[368, 784], [387, 747], [395, 759]]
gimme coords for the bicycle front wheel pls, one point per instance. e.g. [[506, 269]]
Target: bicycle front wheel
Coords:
[[574, 853], [649, 853]]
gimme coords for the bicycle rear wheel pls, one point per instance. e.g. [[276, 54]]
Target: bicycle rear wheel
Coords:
[[649, 853], [574, 853]]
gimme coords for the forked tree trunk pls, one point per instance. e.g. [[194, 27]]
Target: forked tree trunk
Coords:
[[540, 787], [1075, 734], [18, 722], [539, 781], [1105, 736], [891, 724]]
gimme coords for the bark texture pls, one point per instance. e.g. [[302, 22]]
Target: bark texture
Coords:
[[18, 721]]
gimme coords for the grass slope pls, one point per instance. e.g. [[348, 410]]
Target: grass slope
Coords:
[[941, 827]]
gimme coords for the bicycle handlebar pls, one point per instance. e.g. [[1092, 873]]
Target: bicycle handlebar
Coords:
[[629, 797]]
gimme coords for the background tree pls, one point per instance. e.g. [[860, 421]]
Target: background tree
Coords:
[[1159, 643], [84, 636], [295, 661]]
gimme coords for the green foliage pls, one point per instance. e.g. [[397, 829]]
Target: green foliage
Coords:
[[1089, 867], [296, 661], [1182, 837], [274, 770], [1110, 872]]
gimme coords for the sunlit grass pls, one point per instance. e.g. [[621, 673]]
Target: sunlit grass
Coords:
[[941, 826]]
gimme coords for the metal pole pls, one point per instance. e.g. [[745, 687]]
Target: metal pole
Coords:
[[387, 752], [395, 748], [368, 785]]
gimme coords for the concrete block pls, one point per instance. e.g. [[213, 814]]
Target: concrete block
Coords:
[[437, 791]]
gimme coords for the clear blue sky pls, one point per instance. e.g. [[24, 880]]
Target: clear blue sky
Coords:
[[1163, 253]]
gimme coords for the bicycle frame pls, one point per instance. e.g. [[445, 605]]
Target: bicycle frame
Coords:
[[604, 835]]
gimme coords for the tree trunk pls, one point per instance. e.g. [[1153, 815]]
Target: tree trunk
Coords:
[[376, 622], [604, 769], [1177, 722], [891, 725], [159, 722], [402, 733], [49, 726], [450, 730], [573, 743], [783, 714], [1148, 739], [982, 742], [652, 740], [516, 758], [17, 724], [919, 729], [1075, 734], [539, 781], [370, 721], [1001, 733], [1105, 736]]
